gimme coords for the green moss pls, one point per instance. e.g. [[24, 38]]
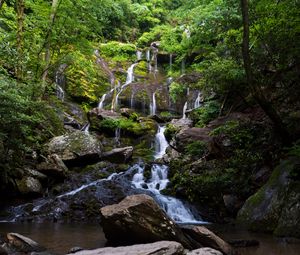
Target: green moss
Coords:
[[141, 69], [118, 52], [170, 131]]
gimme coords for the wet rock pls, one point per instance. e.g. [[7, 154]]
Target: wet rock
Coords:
[[138, 219], [276, 206], [232, 203], [77, 148], [102, 114], [182, 123], [53, 167], [20, 243], [29, 186], [126, 112], [119, 155], [75, 249], [157, 248], [207, 238], [188, 135], [205, 251]]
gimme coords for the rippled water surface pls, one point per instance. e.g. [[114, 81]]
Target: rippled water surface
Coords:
[[60, 238], [269, 245]]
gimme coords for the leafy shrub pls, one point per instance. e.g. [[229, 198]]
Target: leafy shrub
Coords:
[[176, 90], [170, 131], [196, 149], [203, 115], [118, 51]]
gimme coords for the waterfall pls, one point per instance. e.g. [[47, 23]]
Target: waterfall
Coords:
[[86, 128], [117, 136], [184, 110], [148, 57], [139, 55], [171, 62], [100, 106], [60, 93], [129, 79], [158, 182], [155, 60], [197, 103], [161, 143], [153, 105], [132, 101]]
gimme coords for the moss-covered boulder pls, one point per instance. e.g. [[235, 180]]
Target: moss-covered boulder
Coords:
[[77, 148], [276, 206], [29, 186]]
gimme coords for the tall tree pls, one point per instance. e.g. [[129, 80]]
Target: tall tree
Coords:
[[253, 84], [47, 43], [20, 6]]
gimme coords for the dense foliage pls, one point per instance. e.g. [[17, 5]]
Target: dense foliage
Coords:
[[38, 38]]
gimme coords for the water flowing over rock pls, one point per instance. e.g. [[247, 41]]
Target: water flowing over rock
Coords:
[[157, 248], [161, 143], [138, 219], [77, 148]]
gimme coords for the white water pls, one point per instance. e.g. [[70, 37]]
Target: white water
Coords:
[[184, 110], [148, 57], [153, 105], [197, 103], [159, 181], [117, 136], [101, 103], [161, 143], [60, 93], [129, 80], [86, 128], [139, 55]]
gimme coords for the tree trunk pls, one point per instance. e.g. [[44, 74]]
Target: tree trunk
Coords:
[[20, 5], [47, 43], [266, 106], [1, 3]]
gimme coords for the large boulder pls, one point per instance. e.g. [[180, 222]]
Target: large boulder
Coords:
[[157, 248], [77, 148], [276, 206], [118, 155], [19, 243], [139, 219], [53, 167], [29, 186]]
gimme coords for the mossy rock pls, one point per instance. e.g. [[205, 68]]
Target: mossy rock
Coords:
[[276, 206]]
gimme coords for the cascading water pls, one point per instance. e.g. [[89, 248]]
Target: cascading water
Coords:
[[129, 80], [161, 143], [117, 136], [148, 57], [184, 110], [60, 93], [158, 182], [153, 105], [101, 103], [139, 55], [197, 103], [86, 128]]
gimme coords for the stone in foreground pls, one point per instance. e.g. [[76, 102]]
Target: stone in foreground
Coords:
[[139, 219], [157, 248], [205, 251]]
